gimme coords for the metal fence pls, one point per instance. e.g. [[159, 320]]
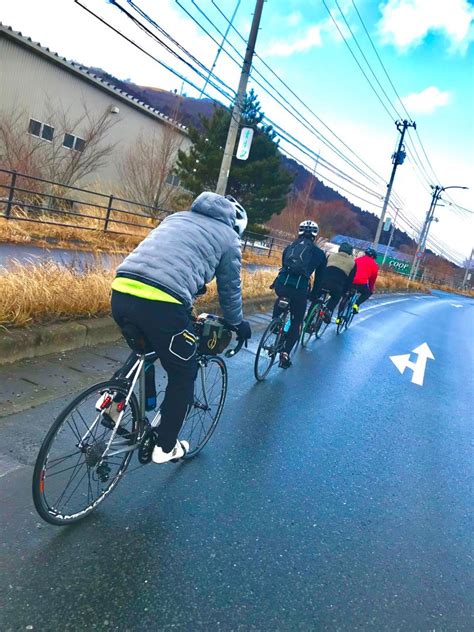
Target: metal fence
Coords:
[[27, 198]]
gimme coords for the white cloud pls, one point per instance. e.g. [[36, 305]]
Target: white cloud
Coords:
[[406, 23], [426, 101], [294, 18], [310, 39]]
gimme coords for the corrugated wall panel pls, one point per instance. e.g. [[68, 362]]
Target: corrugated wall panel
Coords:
[[43, 90]]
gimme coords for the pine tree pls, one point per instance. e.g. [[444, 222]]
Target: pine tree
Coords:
[[259, 183]]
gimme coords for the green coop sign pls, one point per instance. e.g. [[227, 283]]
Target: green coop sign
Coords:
[[395, 265]]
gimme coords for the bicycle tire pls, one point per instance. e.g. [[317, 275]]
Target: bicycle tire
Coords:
[[41, 483], [349, 320], [341, 324], [308, 324], [201, 399], [320, 327], [269, 331]]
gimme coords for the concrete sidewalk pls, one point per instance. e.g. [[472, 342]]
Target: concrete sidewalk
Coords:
[[34, 381]]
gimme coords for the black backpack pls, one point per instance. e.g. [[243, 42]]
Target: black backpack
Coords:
[[298, 257]]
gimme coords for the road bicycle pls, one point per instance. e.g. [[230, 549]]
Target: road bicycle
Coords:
[[346, 315], [85, 453], [272, 342], [314, 324]]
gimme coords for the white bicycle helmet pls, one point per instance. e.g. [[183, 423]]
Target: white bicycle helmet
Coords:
[[241, 218], [308, 228]]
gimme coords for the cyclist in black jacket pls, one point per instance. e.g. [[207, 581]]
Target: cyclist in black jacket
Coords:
[[300, 259]]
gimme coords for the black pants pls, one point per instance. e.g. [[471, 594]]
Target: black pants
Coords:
[[364, 292], [335, 297], [297, 299], [169, 332]]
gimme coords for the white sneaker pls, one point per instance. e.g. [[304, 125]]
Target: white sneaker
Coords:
[[180, 449]]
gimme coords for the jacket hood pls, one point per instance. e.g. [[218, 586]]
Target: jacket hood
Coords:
[[216, 206]]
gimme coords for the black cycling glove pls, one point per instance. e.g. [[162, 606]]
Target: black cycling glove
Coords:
[[243, 330]]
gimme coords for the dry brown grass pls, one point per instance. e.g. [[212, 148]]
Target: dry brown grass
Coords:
[[51, 292], [87, 234]]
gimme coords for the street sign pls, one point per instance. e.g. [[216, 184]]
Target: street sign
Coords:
[[403, 362], [396, 265], [245, 142], [387, 224]]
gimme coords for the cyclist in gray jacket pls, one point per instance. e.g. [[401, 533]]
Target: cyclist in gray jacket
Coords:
[[155, 288]]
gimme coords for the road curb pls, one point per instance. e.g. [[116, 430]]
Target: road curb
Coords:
[[41, 340]]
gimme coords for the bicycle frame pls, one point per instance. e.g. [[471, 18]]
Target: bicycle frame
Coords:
[[137, 376]]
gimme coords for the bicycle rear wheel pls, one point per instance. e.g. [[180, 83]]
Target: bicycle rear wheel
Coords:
[[308, 329], [349, 319], [210, 391], [267, 350], [71, 475]]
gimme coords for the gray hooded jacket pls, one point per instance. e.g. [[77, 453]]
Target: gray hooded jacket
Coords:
[[187, 250]]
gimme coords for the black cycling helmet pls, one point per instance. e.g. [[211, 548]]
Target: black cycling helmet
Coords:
[[371, 252], [346, 247]]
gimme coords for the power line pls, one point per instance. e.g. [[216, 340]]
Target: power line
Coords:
[[365, 58], [380, 60], [357, 61], [291, 110], [305, 105]]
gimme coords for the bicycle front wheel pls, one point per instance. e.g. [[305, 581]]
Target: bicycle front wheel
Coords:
[[267, 350], [210, 391], [74, 471], [341, 324]]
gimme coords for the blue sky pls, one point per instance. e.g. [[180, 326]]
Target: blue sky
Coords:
[[426, 46]]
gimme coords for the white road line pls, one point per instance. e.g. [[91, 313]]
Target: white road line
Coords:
[[398, 300]]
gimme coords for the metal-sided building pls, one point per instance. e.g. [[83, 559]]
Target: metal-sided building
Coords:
[[42, 84]]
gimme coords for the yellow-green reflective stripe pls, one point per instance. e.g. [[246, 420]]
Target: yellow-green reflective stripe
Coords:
[[142, 290]]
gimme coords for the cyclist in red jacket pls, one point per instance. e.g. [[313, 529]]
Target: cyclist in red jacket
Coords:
[[365, 276]]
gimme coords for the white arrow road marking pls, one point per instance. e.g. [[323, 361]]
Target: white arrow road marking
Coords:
[[455, 305], [403, 362]]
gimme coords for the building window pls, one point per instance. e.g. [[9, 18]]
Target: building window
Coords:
[[68, 141], [41, 130], [79, 144], [74, 142], [173, 180]]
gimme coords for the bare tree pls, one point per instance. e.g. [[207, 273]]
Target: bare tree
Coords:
[[52, 159], [69, 165], [146, 167], [19, 151]]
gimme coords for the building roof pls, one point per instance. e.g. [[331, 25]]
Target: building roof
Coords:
[[360, 244], [86, 75]]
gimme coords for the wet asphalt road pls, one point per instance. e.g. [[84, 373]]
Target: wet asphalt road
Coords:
[[335, 496]]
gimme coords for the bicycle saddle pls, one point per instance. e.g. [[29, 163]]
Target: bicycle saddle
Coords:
[[134, 337]]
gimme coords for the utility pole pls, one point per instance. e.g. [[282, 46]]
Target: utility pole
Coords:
[[398, 158], [424, 232], [391, 237], [437, 190], [239, 100], [468, 270]]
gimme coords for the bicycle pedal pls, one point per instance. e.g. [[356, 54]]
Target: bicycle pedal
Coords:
[[145, 449]]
